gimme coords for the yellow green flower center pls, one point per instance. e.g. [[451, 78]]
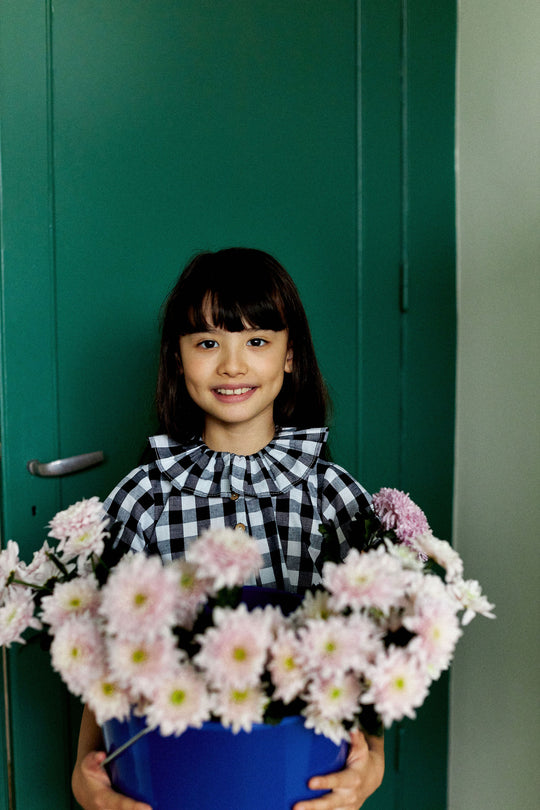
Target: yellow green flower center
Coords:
[[239, 696], [239, 654], [139, 656], [140, 599], [178, 697]]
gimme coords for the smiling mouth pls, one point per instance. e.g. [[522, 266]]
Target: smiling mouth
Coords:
[[229, 392]]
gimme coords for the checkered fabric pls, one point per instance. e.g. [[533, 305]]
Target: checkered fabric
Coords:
[[280, 496]]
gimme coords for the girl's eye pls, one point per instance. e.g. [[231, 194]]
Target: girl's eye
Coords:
[[207, 344], [257, 342]]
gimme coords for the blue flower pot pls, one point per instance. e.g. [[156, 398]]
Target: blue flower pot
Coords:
[[213, 769]]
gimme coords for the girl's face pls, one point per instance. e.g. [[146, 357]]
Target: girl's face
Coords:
[[234, 377]]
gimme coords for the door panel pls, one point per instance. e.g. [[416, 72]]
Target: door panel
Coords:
[[137, 133], [197, 125]]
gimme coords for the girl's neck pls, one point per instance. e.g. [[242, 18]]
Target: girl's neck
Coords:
[[236, 439]]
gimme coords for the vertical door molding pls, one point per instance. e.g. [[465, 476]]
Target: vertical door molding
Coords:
[[407, 306], [28, 336], [28, 360], [429, 334]]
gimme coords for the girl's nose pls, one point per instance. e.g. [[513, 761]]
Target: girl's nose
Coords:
[[231, 362]]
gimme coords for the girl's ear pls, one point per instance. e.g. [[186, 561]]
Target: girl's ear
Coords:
[[289, 359]]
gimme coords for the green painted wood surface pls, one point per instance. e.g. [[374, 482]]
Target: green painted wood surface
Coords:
[[428, 341], [408, 260], [136, 133]]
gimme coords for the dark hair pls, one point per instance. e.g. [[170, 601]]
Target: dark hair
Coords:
[[244, 287]]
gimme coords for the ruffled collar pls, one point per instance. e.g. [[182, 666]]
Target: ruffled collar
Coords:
[[273, 470]]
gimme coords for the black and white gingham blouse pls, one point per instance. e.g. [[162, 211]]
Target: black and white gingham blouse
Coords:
[[279, 495]]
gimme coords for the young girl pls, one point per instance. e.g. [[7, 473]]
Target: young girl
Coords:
[[241, 402]]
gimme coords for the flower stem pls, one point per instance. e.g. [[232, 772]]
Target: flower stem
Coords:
[[58, 564], [124, 746], [15, 581]]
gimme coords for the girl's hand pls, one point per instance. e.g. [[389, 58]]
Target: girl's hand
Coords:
[[350, 787], [92, 787]]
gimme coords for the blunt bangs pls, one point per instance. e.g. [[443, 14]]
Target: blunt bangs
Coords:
[[234, 316]]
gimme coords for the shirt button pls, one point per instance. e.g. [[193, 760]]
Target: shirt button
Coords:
[[240, 526], [235, 496]]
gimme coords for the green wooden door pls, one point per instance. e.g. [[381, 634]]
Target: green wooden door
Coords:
[[135, 133]]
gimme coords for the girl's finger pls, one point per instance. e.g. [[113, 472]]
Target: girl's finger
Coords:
[[342, 780]]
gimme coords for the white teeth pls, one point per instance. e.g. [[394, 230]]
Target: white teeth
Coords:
[[228, 392]]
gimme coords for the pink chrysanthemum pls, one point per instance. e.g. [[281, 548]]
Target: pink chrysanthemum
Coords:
[[315, 605], [40, 570], [409, 557], [329, 646], [469, 595], [139, 598], [16, 616], [398, 685], [372, 579], [140, 664], [81, 530], [285, 666], [9, 560], [181, 700], [234, 652], [239, 708], [331, 701], [77, 519], [331, 728], [367, 636], [437, 632], [71, 598], [77, 653], [192, 593], [229, 557], [442, 552], [397, 511], [276, 621], [107, 700], [82, 546]]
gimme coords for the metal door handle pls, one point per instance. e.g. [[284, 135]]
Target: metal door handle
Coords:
[[65, 466]]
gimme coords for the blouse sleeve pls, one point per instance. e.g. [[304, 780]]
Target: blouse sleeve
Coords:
[[131, 507], [344, 505]]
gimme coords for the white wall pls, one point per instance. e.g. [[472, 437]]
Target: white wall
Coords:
[[495, 688]]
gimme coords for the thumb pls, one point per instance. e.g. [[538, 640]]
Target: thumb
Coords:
[[93, 765], [358, 751]]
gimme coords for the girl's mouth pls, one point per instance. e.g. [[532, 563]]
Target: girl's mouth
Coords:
[[228, 393]]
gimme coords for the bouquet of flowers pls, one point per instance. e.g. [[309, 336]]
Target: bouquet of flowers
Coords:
[[176, 644]]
